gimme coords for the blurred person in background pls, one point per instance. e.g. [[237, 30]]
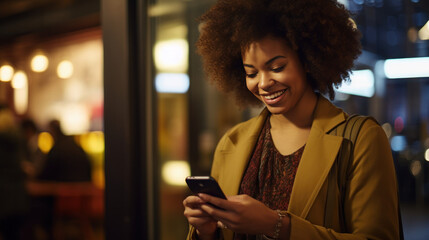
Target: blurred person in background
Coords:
[[13, 194], [34, 156], [66, 161], [283, 170]]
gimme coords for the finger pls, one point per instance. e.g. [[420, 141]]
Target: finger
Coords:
[[219, 202], [195, 212], [217, 213], [193, 201], [221, 225]]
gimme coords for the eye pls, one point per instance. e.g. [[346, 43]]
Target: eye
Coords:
[[278, 69], [251, 75]]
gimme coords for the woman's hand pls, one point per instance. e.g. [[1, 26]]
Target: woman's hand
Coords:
[[242, 214], [203, 222]]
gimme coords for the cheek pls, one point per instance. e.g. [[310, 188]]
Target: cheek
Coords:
[[250, 85]]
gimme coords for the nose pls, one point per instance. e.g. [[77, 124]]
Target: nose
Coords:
[[265, 81]]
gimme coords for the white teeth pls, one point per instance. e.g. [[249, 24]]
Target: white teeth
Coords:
[[274, 95]]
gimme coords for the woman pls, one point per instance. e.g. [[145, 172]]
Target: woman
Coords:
[[275, 167]]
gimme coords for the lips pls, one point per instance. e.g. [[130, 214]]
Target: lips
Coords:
[[274, 95]]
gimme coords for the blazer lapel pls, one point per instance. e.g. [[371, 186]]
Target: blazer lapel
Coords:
[[239, 149], [317, 159]]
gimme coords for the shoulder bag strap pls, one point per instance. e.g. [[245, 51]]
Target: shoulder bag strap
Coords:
[[337, 179], [349, 131]]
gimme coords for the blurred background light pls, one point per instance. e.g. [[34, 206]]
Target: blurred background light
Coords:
[[172, 83], [398, 143], [20, 99], [65, 69], [399, 124], [75, 119], [387, 129], [19, 80], [407, 67], [74, 90], [362, 84], [172, 55], [45, 142], [174, 172], [39, 63], [6, 73], [20, 92], [415, 167], [424, 32], [93, 142]]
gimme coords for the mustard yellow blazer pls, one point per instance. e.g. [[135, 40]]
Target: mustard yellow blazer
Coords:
[[370, 204]]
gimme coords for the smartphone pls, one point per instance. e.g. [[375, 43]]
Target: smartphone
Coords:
[[205, 184]]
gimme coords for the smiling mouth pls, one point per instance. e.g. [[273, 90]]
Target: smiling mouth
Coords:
[[275, 95]]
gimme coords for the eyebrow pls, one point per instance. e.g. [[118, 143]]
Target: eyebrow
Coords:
[[267, 63]]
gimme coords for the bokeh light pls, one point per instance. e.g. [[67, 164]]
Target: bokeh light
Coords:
[[39, 63], [45, 142], [174, 172], [19, 80], [65, 69], [398, 143], [399, 124], [415, 167], [6, 73], [387, 129]]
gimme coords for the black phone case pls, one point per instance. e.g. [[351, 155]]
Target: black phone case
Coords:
[[205, 184]]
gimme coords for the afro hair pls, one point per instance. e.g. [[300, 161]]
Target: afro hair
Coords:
[[321, 31]]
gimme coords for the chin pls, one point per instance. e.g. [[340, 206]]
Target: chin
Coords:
[[277, 110]]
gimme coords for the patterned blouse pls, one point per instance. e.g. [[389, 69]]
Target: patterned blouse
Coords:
[[269, 175]]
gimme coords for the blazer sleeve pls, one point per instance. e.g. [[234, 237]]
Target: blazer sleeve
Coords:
[[371, 200]]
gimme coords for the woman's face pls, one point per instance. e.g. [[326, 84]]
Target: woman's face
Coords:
[[275, 75]]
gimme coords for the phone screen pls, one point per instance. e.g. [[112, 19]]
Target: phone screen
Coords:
[[205, 184]]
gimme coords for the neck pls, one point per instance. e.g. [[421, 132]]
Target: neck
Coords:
[[300, 116]]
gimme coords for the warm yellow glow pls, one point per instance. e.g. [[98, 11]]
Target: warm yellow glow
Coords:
[[75, 119], [45, 142], [65, 69], [93, 142], [98, 178], [6, 73], [20, 99], [19, 80], [39, 63], [427, 155], [175, 172], [172, 56], [424, 32]]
